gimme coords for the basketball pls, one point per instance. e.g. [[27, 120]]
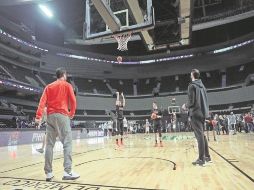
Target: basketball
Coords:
[[119, 59], [153, 116]]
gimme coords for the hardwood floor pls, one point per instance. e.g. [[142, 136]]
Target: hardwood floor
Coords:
[[138, 165]]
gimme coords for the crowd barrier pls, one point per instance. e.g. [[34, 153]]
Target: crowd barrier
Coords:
[[20, 137]]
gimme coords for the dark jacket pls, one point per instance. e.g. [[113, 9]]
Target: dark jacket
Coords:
[[197, 100]]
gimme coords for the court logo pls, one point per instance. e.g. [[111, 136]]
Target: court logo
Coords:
[[13, 138], [26, 184], [37, 137], [177, 137]]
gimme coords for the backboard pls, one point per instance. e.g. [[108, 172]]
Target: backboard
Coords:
[[174, 109], [105, 18]]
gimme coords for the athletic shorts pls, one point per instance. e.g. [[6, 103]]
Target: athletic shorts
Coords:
[[119, 127], [157, 126]]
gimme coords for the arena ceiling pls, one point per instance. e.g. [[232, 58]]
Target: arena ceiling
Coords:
[[69, 16]]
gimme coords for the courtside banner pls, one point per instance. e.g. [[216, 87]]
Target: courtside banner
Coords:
[[10, 138]]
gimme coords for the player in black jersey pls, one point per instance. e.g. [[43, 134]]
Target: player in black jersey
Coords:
[[156, 117], [120, 104]]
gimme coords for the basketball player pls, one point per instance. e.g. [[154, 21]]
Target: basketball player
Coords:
[[110, 128], [232, 123], [147, 127], [58, 97], [209, 125], [156, 117], [174, 122], [125, 126], [120, 104], [198, 112]]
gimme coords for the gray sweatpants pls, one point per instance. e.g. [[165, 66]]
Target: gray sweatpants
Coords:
[[58, 125], [197, 125]]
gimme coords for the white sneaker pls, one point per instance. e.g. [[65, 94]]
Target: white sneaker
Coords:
[[49, 176], [70, 176]]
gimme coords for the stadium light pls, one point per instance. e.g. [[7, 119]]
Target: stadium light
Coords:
[[46, 11]]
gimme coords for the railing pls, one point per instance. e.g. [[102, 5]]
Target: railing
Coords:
[[223, 15], [21, 41], [147, 59], [20, 85]]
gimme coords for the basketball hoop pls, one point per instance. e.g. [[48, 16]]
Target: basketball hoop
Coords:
[[122, 40]]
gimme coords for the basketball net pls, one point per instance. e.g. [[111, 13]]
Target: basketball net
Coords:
[[122, 40]]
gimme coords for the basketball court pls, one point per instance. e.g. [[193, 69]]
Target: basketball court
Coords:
[[138, 165]]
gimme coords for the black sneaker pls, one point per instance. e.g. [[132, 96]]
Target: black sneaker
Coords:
[[199, 162], [40, 150], [49, 176], [208, 160]]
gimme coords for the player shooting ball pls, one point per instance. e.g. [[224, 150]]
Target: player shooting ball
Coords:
[[120, 104], [156, 117]]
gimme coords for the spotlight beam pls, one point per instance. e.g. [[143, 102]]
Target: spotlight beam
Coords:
[[46, 11]]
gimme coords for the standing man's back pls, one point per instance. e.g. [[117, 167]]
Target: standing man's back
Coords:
[[57, 96], [198, 112], [197, 99], [60, 101]]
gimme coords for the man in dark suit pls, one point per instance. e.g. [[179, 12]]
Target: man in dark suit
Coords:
[[198, 111]]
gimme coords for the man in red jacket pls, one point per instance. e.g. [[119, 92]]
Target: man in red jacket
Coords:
[[249, 122], [60, 101]]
